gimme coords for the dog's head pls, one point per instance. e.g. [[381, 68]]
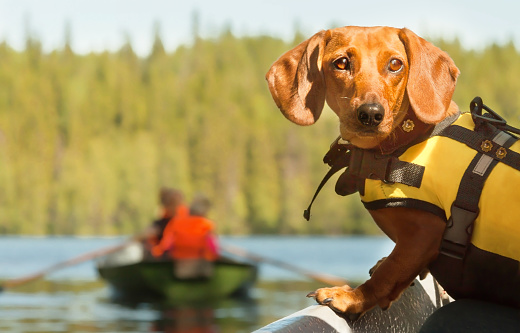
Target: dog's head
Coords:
[[369, 77]]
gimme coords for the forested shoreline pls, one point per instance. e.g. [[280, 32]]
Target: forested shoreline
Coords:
[[86, 141]]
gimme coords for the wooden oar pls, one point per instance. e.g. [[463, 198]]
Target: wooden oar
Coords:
[[323, 278], [69, 262]]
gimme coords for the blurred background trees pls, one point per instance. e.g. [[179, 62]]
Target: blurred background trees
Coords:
[[86, 141]]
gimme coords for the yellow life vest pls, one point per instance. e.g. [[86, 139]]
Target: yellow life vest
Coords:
[[497, 226], [467, 172]]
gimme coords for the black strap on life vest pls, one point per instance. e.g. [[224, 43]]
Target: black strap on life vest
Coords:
[[492, 146], [338, 157], [365, 164], [369, 164]]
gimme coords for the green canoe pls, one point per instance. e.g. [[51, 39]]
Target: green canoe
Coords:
[[133, 277]]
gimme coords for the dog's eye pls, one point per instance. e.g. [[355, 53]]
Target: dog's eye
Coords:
[[342, 64], [395, 65]]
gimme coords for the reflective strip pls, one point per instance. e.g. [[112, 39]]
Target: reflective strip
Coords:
[[485, 161]]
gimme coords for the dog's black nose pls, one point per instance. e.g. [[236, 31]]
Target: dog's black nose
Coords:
[[371, 114]]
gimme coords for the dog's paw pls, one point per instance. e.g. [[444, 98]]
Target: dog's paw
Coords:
[[344, 300]]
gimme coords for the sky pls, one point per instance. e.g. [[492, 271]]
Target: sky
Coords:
[[98, 25]]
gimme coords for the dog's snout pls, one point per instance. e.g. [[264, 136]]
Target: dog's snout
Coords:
[[371, 114]]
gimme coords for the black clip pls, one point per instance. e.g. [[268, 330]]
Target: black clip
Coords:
[[458, 232]]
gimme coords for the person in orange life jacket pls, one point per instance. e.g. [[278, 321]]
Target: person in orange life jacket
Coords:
[[172, 204], [191, 241]]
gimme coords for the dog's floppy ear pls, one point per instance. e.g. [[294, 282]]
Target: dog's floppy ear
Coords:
[[296, 81], [431, 78]]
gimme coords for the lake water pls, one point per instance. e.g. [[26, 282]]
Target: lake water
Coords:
[[74, 299]]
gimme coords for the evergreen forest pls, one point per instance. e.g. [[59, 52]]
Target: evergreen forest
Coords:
[[87, 141]]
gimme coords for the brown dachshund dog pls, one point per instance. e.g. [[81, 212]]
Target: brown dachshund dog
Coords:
[[371, 78]]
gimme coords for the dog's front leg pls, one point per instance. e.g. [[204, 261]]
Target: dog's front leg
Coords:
[[417, 235]]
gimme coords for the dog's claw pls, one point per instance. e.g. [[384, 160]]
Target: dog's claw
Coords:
[[311, 294], [327, 300]]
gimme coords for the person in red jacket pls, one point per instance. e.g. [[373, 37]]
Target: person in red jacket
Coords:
[[191, 241], [172, 204]]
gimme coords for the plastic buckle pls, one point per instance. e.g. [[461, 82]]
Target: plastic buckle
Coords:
[[458, 232], [452, 250]]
